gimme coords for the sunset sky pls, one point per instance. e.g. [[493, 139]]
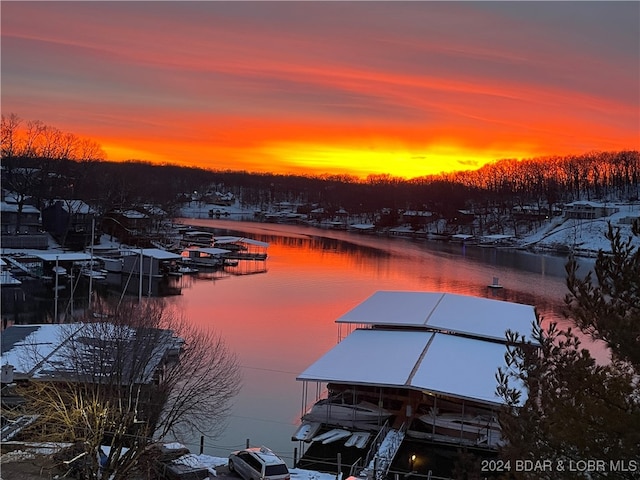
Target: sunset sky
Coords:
[[405, 88]]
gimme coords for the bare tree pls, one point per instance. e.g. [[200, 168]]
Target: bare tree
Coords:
[[140, 374], [9, 138], [89, 150]]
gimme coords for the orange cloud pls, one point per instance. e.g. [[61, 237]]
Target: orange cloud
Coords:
[[402, 88]]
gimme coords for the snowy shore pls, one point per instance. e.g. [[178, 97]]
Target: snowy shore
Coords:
[[558, 235]]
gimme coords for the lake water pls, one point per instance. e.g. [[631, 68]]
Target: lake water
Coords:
[[278, 316]]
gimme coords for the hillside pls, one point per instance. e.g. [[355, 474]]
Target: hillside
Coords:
[[582, 236]]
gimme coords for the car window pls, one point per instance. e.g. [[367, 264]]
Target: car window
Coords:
[[272, 470], [253, 463]]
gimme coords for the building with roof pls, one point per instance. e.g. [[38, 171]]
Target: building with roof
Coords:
[[101, 354], [20, 225], [418, 367], [131, 227], [587, 210], [242, 248], [70, 222]]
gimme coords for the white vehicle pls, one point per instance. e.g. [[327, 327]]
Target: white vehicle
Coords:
[[258, 464]]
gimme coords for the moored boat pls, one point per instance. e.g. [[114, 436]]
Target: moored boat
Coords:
[[335, 411], [478, 429], [205, 257]]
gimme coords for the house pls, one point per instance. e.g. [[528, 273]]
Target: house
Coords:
[[417, 217], [157, 215], [224, 199], [417, 367], [69, 353], [585, 210], [129, 226], [71, 223], [21, 228]]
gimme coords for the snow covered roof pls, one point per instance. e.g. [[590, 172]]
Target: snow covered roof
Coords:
[[362, 226], [417, 213], [75, 206], [28, 345], [421, 360], [13, 207], [584, 203], [248, 241], [132, 214], [63, 257], [154, 210], [44, 351], [447, 312], [209, 251], [156, 253]]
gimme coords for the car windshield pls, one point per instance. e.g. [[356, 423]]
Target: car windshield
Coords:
[[272, 470]]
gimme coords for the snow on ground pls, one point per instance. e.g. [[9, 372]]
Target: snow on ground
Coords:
[[29, 450], [211, 463], [201, 210], [583, 236], [559, 234]]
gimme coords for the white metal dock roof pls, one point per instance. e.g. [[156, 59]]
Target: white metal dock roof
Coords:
[[447, 312], [429, 361], [63, 257], [209, 250], [156, 253], [248, 241]]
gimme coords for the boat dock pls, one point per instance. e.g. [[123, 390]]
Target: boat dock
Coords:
[[416, 372]]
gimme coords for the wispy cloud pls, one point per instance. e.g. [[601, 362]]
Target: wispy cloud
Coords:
[[328, 86]]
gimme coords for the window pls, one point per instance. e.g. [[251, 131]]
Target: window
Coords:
[[253, 463], [272, 470]]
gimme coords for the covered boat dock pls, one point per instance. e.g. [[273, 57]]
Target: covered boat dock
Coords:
[[428, 358]]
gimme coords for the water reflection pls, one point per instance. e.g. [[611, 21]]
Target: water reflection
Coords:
[[282, 320], [278, 315]]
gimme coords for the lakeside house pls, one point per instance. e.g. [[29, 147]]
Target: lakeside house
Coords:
[[131, 227], [70, 223], [412, 381], [86, 353], [586, 210], [21, 226]]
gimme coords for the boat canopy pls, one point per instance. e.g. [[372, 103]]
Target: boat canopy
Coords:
[[210, 251], [63, 257], [249, 241], [156, 253], [446, 312], [428, 361]]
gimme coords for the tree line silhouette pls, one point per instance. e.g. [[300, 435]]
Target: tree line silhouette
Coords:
[[42, 163]]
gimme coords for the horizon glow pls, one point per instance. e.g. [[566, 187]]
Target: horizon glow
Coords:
[[358, 88]]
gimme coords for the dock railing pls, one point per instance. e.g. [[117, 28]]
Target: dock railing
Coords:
[[377, 441], [356, 467], [394, 448]]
